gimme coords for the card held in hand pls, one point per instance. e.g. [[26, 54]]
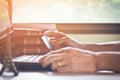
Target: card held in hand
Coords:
[[46, 40]]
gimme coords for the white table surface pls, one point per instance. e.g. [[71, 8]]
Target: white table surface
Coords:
[[47, 75], [59, 76]]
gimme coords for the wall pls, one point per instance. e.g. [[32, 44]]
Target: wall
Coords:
[[96, 37]]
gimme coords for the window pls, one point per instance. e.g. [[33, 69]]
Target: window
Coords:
[[4, 15], [66, 11]]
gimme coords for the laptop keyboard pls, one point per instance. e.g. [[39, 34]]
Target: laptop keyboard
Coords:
[[28, 58], [29, 62]]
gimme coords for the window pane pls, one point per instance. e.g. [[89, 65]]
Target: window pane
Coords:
[[66, 11], [4, 16]]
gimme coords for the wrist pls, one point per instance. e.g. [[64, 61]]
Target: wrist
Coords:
[[95, 60], [72, 43], [99, 64], [108, 61], [102, 62]]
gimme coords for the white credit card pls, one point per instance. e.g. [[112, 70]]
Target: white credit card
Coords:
[[46, 40]]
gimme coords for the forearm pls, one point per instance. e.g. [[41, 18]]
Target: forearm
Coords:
[[97, 47], [108, 61]]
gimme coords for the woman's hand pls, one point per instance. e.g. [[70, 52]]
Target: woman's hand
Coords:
[[60, 40], [70, 60]]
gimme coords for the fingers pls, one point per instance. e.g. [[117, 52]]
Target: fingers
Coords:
[[51, 59], [54, 61], [60, 51], [55, 34], [56, 65], [59, 41]]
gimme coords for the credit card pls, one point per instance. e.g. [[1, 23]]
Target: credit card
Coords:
[[46, 40]]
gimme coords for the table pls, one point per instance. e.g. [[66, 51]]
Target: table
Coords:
[[46, 75]]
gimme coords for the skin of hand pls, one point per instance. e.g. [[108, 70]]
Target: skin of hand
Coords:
[[73, 60], [81, 58], [59, 39], [108, 61]]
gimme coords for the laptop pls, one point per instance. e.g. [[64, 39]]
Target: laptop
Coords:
[[31, 62]]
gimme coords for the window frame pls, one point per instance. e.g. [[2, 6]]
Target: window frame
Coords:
[[85, 28]]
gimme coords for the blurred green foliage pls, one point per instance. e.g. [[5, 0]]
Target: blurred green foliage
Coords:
[[109, 8]]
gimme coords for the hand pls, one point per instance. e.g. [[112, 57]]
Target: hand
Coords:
[[60, 40], [70, 60]]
